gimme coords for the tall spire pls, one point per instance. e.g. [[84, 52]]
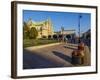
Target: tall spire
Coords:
[[30, 21]]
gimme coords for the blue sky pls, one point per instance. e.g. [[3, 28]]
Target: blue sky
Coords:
[[67, 20]]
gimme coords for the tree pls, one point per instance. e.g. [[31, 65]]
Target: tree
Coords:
[[41, 29], [25, 30], [33, 33]]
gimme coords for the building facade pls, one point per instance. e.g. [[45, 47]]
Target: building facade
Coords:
[[70, 34], [86, 37], [44, 28], [87, 34]]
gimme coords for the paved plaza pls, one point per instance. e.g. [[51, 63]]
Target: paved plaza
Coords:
[[58, 55]]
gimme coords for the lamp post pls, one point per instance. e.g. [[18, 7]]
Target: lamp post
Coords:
[[78, 55], [62, 29], [80, 16]]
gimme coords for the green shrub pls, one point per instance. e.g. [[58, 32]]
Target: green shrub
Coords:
[[33, 33]]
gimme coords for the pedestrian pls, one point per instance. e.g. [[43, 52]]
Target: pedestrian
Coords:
[[66, 40]]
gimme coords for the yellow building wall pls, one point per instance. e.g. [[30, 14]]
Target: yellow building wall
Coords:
[[47, 29]]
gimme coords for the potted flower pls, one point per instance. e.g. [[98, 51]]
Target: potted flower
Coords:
[[78, 55]]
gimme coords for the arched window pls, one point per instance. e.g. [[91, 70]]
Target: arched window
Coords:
[[68, 36]]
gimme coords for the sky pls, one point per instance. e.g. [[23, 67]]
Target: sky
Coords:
[[68, 20]]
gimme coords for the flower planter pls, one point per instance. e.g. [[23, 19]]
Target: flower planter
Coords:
[[81, 46], [77, 60], [78, 57]]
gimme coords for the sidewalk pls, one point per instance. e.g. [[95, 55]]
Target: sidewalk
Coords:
[[41, 46], [56, 56]]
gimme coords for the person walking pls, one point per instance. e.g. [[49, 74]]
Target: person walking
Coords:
[[66, 40]]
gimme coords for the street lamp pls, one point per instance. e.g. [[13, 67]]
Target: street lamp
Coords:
[[78, 55], [62, 30], [80, 44], [80, 16]]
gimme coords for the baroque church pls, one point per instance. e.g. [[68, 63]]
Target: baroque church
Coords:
[[44, 28]]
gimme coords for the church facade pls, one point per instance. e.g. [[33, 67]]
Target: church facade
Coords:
[[44, 28]]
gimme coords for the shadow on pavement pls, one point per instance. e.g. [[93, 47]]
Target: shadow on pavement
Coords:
[[70, 48], [61, 55], [31, 61]]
